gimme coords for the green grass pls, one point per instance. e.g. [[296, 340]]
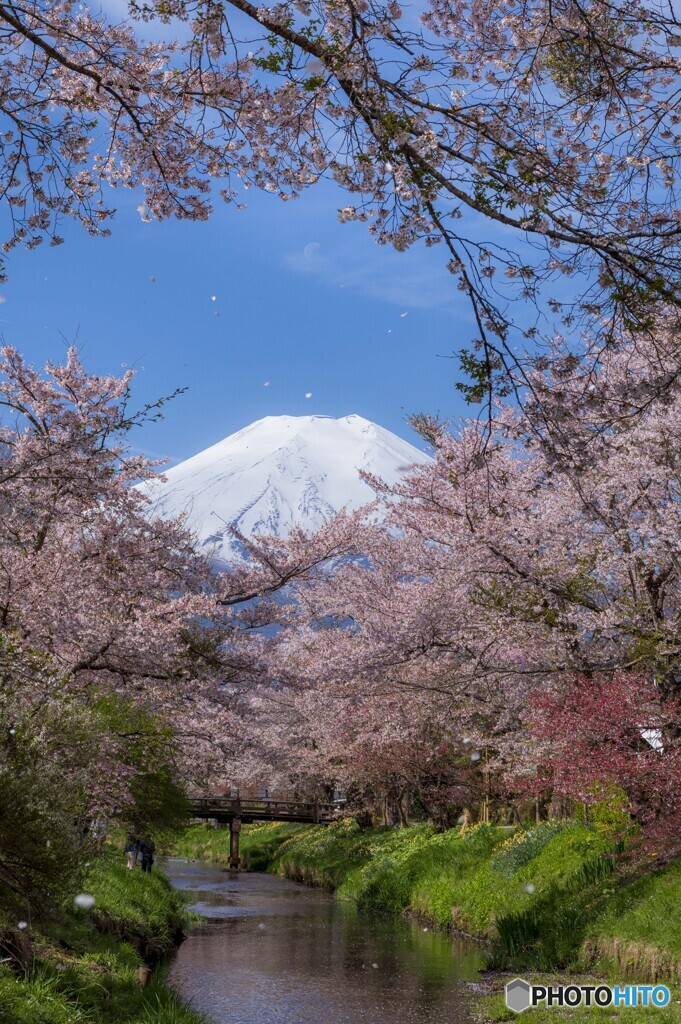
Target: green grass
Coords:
[[143, 908], [101, 989], [639, 931], [483, 883], [85, 966]]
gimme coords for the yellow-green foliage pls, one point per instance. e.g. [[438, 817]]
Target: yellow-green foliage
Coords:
[[470, 881], [610, 813], [203, 842]]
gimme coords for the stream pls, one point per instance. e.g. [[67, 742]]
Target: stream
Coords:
[[271, 951]]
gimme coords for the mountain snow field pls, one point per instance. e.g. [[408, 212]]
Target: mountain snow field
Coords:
[[279, 472]]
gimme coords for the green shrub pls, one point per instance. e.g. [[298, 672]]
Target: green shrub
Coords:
[[611, 811]]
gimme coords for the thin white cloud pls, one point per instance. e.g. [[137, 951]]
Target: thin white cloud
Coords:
[[402, 279]]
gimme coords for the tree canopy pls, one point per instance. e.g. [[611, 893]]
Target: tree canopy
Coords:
[[536, 143]]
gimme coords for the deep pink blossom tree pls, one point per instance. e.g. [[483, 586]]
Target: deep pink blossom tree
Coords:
[[617, 732]]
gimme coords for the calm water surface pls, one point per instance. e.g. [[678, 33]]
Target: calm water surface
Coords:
[[275, 952]]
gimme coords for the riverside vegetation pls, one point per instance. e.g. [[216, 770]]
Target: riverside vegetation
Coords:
[[553, 896], [89, 966]]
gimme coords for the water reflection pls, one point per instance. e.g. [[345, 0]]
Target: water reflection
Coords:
[[275, 952]]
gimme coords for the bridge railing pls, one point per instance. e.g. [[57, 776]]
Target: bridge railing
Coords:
[[263, 808]]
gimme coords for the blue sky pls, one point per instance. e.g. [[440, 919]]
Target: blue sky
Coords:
[[304, 302], [301, 302]]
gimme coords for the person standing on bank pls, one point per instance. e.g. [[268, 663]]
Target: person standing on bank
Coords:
[[147, 848], [132, 849]]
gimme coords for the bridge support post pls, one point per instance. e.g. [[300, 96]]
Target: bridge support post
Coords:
[[234, 830]]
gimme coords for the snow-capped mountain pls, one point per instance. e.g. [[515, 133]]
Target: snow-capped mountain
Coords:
[[279, 472]]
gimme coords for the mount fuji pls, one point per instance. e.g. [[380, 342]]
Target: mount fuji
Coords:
[[280, 472]]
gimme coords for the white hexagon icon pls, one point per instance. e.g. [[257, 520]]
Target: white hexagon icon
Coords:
[[518, 995]]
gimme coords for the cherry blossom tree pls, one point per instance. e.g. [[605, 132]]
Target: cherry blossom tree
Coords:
[[92, 591], [494, 577], [551, 132], [377, 742], [104, 604]]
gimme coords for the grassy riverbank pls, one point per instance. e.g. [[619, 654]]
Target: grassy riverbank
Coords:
[[88, 966], [545, 898]]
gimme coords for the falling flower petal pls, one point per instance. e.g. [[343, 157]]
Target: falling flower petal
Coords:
[[84, 900]]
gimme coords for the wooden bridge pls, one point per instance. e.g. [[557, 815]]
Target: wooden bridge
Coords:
[[240, 810]]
